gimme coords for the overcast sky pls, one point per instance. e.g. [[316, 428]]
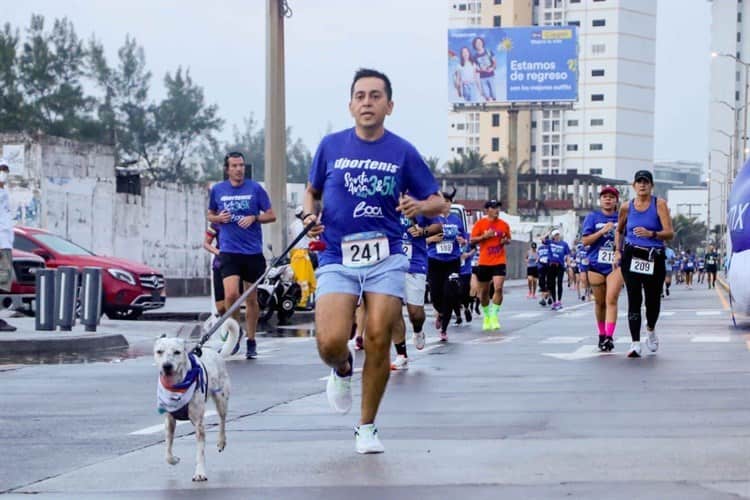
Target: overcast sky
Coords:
[[223, 44]]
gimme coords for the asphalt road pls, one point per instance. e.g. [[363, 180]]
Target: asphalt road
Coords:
[[532, 412]]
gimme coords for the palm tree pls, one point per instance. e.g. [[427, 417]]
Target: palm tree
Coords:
[[433, 162], [689, 233]]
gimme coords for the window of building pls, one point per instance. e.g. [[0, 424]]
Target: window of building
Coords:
[[739, 36], [599, 0], [597, 122], [555, 150], [497, 21], [533, 148], [495, 144], [574, 23], [571, 171], [739, 17], [571, 147], [598, 48], [533, 124], [462, 7], [572, 123], [597, 97], [595, 171], [575, 1], [737, 76], [598, 22], [498, 2], [495, 119], [459, 150], [596, 147], [548, 4], [737, 95], [460, 126], [545, 149], [597, 72]]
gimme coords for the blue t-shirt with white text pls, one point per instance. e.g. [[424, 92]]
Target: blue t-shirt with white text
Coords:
[[416, 246], [249, 198], [558, 250], [448, 249], [361, 182], [592, 224]]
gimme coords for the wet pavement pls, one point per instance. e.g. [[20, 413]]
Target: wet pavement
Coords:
[[533, 411]]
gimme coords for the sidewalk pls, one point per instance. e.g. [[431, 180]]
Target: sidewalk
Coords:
[[179, 317]]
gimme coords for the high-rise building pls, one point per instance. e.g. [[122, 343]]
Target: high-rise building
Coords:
[[609, 131]]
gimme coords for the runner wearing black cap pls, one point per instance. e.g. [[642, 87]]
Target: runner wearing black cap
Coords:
[[643, 226]]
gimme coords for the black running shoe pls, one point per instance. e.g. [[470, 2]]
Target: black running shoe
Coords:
[[549, 300], [467, 313], [609, 344], [601, 342], [667, 290], [252, 352]]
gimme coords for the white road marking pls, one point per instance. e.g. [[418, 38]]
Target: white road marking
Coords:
[[160, 428], [667, 313], [708, 313], [562, 340], [527, 315], [583, 352], [496, 339], [710, 338]]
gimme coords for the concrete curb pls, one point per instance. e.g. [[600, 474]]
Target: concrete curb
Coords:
[[65, 345]]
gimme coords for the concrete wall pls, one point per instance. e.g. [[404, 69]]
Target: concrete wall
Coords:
[[69, 188]]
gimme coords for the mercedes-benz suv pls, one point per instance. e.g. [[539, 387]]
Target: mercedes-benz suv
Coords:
[[129, 288]]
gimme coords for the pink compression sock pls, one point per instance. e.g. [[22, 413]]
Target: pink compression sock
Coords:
[[609, 329], [600, 324]]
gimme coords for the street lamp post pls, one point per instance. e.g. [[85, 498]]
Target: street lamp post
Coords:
[[722, 196], [747, 87]]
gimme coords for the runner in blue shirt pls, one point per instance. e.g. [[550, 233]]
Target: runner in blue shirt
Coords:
[[543, 265], [239, 206], [689, 269], [559, 252], [443, 261], [669, 263], [415, 232], [366, 177], [605, 280]]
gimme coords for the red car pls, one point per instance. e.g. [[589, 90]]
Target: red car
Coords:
[[129, 288], [23, 288]]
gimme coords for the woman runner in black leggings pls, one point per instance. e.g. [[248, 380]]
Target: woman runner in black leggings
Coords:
[[643, 225]]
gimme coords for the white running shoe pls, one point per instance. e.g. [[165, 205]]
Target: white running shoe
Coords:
[[419, 340], [366, 439], [400, 363], [635, 350], [652, 342], [339, 389]]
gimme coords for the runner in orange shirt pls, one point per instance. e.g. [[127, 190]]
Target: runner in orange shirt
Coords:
[[492, 233]]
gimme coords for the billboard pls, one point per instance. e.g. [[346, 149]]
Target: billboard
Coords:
[[505, 65]]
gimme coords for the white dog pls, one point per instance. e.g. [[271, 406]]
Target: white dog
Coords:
[[229, 333], [185, 383]]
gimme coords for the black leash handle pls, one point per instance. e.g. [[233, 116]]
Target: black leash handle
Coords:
[[238, 303]]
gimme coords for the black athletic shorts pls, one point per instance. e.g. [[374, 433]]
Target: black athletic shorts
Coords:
[[248, 267], [485, 273], [532, 271], [218, 282]]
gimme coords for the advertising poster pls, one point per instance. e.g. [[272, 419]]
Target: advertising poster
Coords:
[[506, 65]]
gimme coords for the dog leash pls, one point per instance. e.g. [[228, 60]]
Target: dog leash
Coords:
[[238, 303]]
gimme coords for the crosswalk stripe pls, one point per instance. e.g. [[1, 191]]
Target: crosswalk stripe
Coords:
[[708, 313], [711, 338], [562, 340]]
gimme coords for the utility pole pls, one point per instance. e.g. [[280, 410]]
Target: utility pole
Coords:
[[512, 174], [275, 123]]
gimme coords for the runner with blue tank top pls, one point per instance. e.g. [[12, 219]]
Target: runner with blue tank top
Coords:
[[532, 270], [444, 261], [605, 279], [543, 265], [240, 206], [643, 226], [365, 178]]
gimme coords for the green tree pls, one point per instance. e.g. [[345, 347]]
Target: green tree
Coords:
[[689, 233], [11, 98], [51, 69], [298, 159], [184, 123], [128, 120]]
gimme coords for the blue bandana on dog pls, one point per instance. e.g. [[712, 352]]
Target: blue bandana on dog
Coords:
[[175, 399]]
